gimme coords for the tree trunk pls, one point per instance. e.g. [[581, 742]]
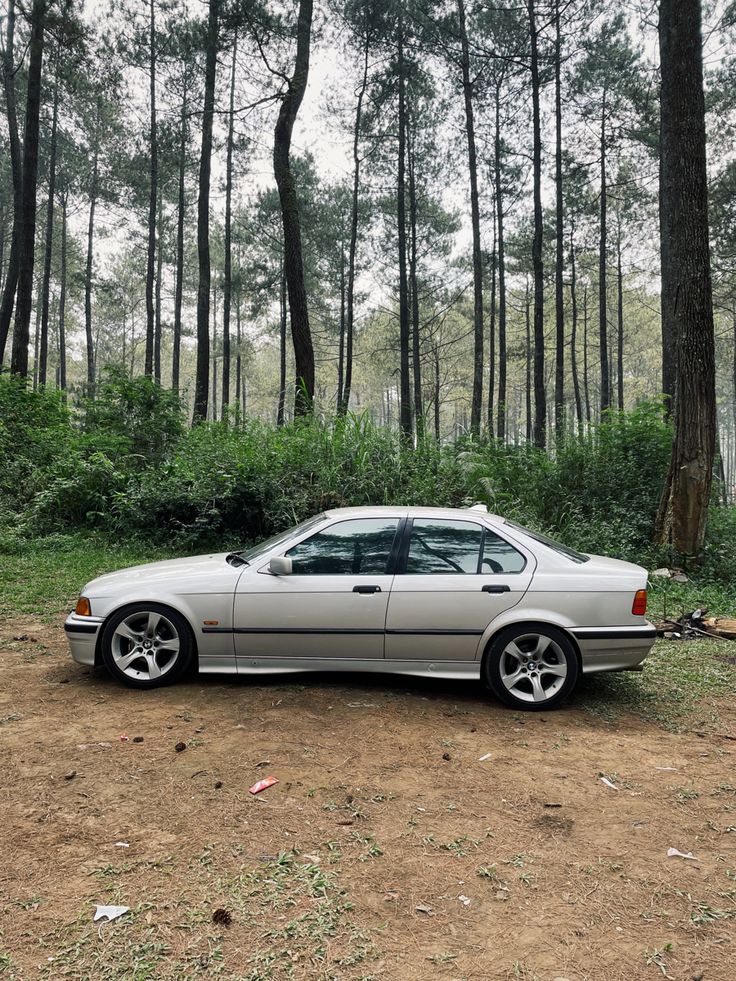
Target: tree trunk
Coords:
[[478, 331], [16, 166], [527, 322], [293, 262], [62, 292], [280, 411], [540, 399], [214, 354], [602, 256], [24, 301], [404, 383], [148, 368], [48, 251], [201, 385], [560, 253], [341, 342], [352, 249], [501, 248], [586, 377], [228, 270], [157, 318], [416, 357], [684, 507], [667, 302], [574, 335], [89, 265], [181, 211], [238, 361], [437, 392], [620, 326], [492, 329]]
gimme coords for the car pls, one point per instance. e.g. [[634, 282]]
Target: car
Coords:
[[434, 592]]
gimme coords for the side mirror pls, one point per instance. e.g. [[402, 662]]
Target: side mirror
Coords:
[[280, 565]]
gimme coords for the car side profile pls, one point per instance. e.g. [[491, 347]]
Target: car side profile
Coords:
[[437, 592]]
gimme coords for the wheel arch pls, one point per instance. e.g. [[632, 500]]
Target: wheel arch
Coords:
[[530, 623], [183, 612]]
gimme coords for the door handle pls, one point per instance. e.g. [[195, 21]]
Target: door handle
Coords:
[[488, 588], [366, 589]]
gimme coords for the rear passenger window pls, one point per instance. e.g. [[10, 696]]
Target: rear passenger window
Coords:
[[444, 547], [449, 547]]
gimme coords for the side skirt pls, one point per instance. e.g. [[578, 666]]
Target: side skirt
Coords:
[[450, 670]]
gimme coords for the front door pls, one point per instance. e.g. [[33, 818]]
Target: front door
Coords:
[[454, 578], [334, 603]]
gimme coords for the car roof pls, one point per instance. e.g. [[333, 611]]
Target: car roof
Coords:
[[476, 511]]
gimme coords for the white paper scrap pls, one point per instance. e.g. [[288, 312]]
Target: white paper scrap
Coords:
[[109, 912]]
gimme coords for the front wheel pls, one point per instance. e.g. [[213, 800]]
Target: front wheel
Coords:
[[146, 645], [531, 667]]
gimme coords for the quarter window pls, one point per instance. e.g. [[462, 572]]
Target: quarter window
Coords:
[[348, 548], [499, 556]]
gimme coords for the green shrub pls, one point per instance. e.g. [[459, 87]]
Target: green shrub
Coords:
[[35, 429], [132, 420]]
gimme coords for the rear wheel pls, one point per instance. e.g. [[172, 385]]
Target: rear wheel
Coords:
[[531, 667], [147, 645]]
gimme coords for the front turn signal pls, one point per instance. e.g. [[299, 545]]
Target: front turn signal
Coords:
[[639, 608], [82, 609]]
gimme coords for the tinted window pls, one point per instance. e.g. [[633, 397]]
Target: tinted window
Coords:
[[440, 547], [349, 548], [499, 556]]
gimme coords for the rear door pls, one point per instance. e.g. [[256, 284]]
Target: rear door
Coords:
[[453, 577], [334, 603]]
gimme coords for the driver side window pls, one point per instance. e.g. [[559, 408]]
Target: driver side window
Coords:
[[348, 548]]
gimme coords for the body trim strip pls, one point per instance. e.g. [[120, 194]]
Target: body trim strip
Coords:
[[81, 628], [337, 630], [615, 633]]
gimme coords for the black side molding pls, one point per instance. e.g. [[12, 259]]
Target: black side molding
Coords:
[[81, 628], [623, 633]]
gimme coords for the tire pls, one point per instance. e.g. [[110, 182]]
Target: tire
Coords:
[[146, 645], [532, 667]]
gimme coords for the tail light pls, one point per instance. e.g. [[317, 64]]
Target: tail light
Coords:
[[640, 603]]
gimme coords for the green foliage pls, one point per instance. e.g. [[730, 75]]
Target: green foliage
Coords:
[[35, 429], [132, 418], [129, 467]]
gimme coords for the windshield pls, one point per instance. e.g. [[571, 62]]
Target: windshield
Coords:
[[569, 553], [250, 554]]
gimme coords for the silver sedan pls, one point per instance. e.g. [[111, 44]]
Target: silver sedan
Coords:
[[433, 592]]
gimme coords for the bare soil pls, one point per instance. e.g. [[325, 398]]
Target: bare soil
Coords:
[[386, 850]]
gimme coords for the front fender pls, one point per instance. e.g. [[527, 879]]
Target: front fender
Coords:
[[194, 607]]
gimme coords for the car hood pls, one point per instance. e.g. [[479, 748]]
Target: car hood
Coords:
[[205, 573]]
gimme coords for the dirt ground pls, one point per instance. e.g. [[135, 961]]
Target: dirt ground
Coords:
[[388, 849]]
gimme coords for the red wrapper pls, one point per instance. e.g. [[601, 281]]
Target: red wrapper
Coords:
[[262, 785]]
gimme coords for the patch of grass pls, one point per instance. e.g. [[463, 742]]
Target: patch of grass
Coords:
[[678, 683], [44, 576], [296, 912]]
